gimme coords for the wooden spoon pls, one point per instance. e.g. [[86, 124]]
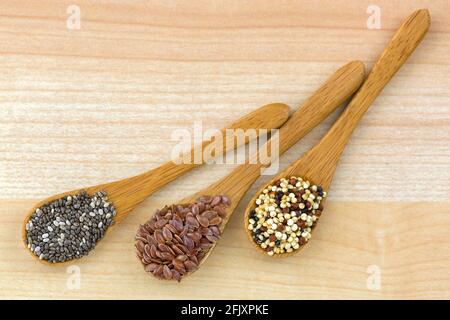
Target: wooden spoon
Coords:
[[127, 193], [338, 88], [319, 164]]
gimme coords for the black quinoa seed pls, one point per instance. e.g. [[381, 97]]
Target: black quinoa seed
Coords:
[[286, 212]]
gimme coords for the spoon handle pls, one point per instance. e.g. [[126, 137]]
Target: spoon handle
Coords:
[[320, 168], [129, 192], [338, 88]]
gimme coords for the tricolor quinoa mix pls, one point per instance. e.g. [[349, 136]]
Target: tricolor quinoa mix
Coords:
[[285, 213]]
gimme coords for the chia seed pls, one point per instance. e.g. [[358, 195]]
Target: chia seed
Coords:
[[63, 224]]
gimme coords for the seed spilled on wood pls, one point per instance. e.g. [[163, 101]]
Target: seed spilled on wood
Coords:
[[176, 239], [70, 227]]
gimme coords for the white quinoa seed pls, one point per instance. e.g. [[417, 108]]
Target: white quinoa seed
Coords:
[[285, 212]]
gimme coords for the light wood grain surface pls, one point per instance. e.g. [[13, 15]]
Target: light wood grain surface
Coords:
[[82, 107]]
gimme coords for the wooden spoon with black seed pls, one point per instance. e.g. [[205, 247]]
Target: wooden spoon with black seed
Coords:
[[127, 194], [319, 164]]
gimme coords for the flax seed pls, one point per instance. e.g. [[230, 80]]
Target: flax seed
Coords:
[[173, 242]]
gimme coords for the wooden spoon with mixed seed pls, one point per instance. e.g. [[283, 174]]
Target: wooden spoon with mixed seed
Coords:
[[179, 238], [280, 218], [68, 226]]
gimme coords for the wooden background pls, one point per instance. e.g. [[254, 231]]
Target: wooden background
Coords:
[[80, 107]]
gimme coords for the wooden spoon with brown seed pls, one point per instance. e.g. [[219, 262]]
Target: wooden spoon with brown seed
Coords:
[[338, 88], [319, 164], [127, 194]]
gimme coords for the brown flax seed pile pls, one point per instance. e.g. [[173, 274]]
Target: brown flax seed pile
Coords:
[[175, 240]]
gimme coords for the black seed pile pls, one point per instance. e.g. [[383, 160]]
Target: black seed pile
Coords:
[[68, 228]]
